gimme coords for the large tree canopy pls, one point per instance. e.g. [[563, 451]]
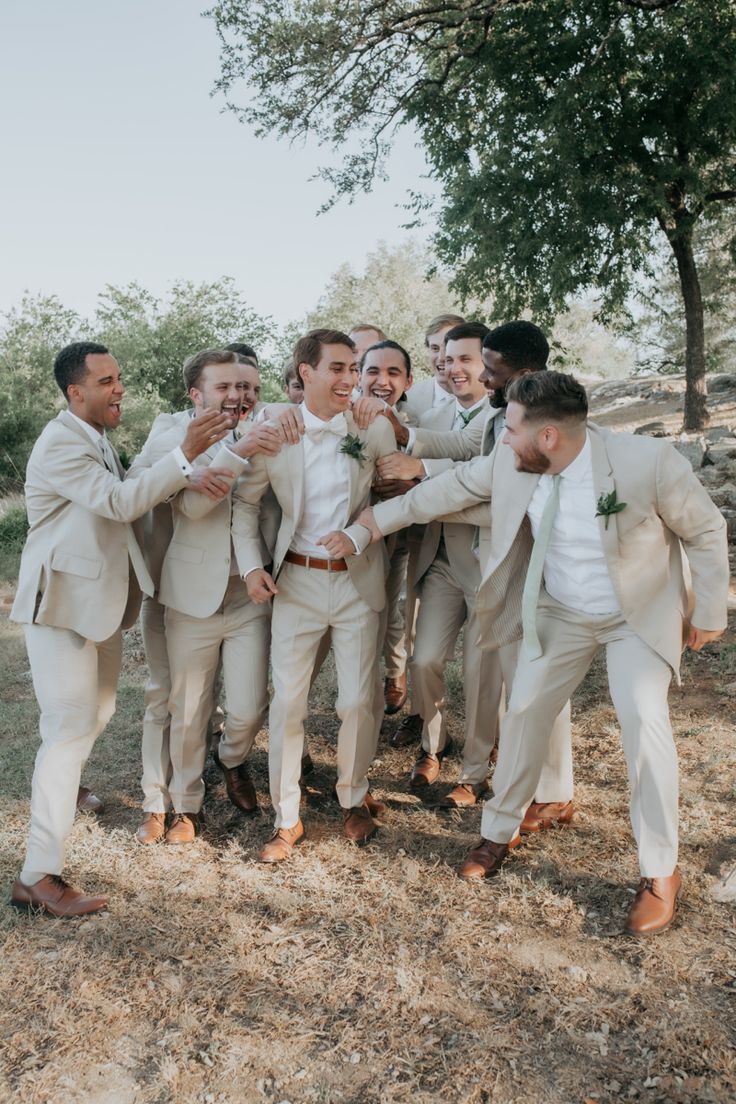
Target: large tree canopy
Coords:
[[564, 134]]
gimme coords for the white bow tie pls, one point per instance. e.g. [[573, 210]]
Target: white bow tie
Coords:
[[338, 427]]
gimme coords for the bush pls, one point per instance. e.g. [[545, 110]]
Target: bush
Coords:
[[13, 523]]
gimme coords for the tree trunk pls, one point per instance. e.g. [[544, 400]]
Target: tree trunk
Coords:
[[696, 413]]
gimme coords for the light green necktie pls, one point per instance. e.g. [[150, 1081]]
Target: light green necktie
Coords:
[[533, 582]]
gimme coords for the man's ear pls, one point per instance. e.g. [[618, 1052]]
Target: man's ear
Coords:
[[196, 396], [304, 371]]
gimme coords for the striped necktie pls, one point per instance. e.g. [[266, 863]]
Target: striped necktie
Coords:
[[533, 581]]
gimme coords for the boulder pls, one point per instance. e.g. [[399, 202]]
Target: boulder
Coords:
[[725, 495], [716, 384], [722, 451], [652, 429], [693, 450], [715, 433]]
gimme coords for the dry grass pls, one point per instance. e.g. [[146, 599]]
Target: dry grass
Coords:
[[359, 976], [371, 975]]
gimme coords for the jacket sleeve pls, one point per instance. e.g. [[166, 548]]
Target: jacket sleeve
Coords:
[[465, 485], [245, 525]]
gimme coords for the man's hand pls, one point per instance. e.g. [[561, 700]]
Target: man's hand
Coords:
[[366, 409], [338, 544], [289, 424], [205, 430], [260, 586], [258, 438], [367, 520], [696, 638], [397, 465], [392, 488], [212, 482]]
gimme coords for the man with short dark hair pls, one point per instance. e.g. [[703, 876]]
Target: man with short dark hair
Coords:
[[432, 392], [80, 583], [325, 579], [588, 533]]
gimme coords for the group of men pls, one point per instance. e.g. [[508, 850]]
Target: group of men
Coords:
[[265, 536]]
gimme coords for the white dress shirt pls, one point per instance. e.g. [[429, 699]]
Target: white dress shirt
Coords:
[[440, 395], [326, 483], [575, 570]]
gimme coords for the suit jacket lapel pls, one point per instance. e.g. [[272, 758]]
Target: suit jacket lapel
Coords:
[[604, 485], [354, 468], [295, 473], [71, 423]]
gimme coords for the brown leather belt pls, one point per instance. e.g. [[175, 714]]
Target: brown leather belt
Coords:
[[312, 561]]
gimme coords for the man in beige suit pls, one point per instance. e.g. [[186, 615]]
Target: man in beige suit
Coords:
[[447, 576], [209, 615], [167, 432], [433, 392], [326, 578], [80, 579], [604, 521], [509, 351]]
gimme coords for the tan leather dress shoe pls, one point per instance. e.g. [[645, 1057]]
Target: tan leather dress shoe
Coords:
[[653, 909], [408, 732], [394, 694], [282, 843], [541, 815], [87, 802], [240, 788], [183, 828], [465, 795], [152, 829], [483, 860], [53, 895], [426, 769], [374, 806], [358, 824]]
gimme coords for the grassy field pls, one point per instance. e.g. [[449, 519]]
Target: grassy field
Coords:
[[372, 975]]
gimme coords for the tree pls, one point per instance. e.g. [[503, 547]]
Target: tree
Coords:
[[392, 291], [565, 135], [150, 337]]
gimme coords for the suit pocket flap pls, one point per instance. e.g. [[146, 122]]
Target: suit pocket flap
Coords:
[[186, 553], [75, 565]]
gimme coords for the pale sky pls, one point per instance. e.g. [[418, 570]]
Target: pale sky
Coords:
[[118, 165]]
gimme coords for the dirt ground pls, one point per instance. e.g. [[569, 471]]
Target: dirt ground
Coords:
[[359, 976]]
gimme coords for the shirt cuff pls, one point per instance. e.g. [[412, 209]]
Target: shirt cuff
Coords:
[[410, 443], [242, 460], [184, 465], [249, 570]]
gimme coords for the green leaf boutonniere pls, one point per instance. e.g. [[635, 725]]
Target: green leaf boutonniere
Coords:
[[607, 505], [352, 445]]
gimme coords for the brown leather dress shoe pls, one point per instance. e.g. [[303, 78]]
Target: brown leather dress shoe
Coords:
[[426, 769], [53, 895], [87, 802], [152, 829], [483, 860], [183, 828], [653, 909], [408, 732], [394, 694], [240, 788], [282, 843], [541, 815], [359, 825], [465, 795], [373, 805]]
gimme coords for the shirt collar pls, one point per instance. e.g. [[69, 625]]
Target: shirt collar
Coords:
[[469, 409], [94, 434], [440, 395], [579, 468]]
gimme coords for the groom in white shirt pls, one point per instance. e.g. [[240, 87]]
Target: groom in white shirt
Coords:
[[326, 578]]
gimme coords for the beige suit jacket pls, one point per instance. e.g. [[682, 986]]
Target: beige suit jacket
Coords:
[[458, 536], [285, 474], [433, 443], [420, 399], [167, 431], [197, 564], [81, 564], [668, 517]]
